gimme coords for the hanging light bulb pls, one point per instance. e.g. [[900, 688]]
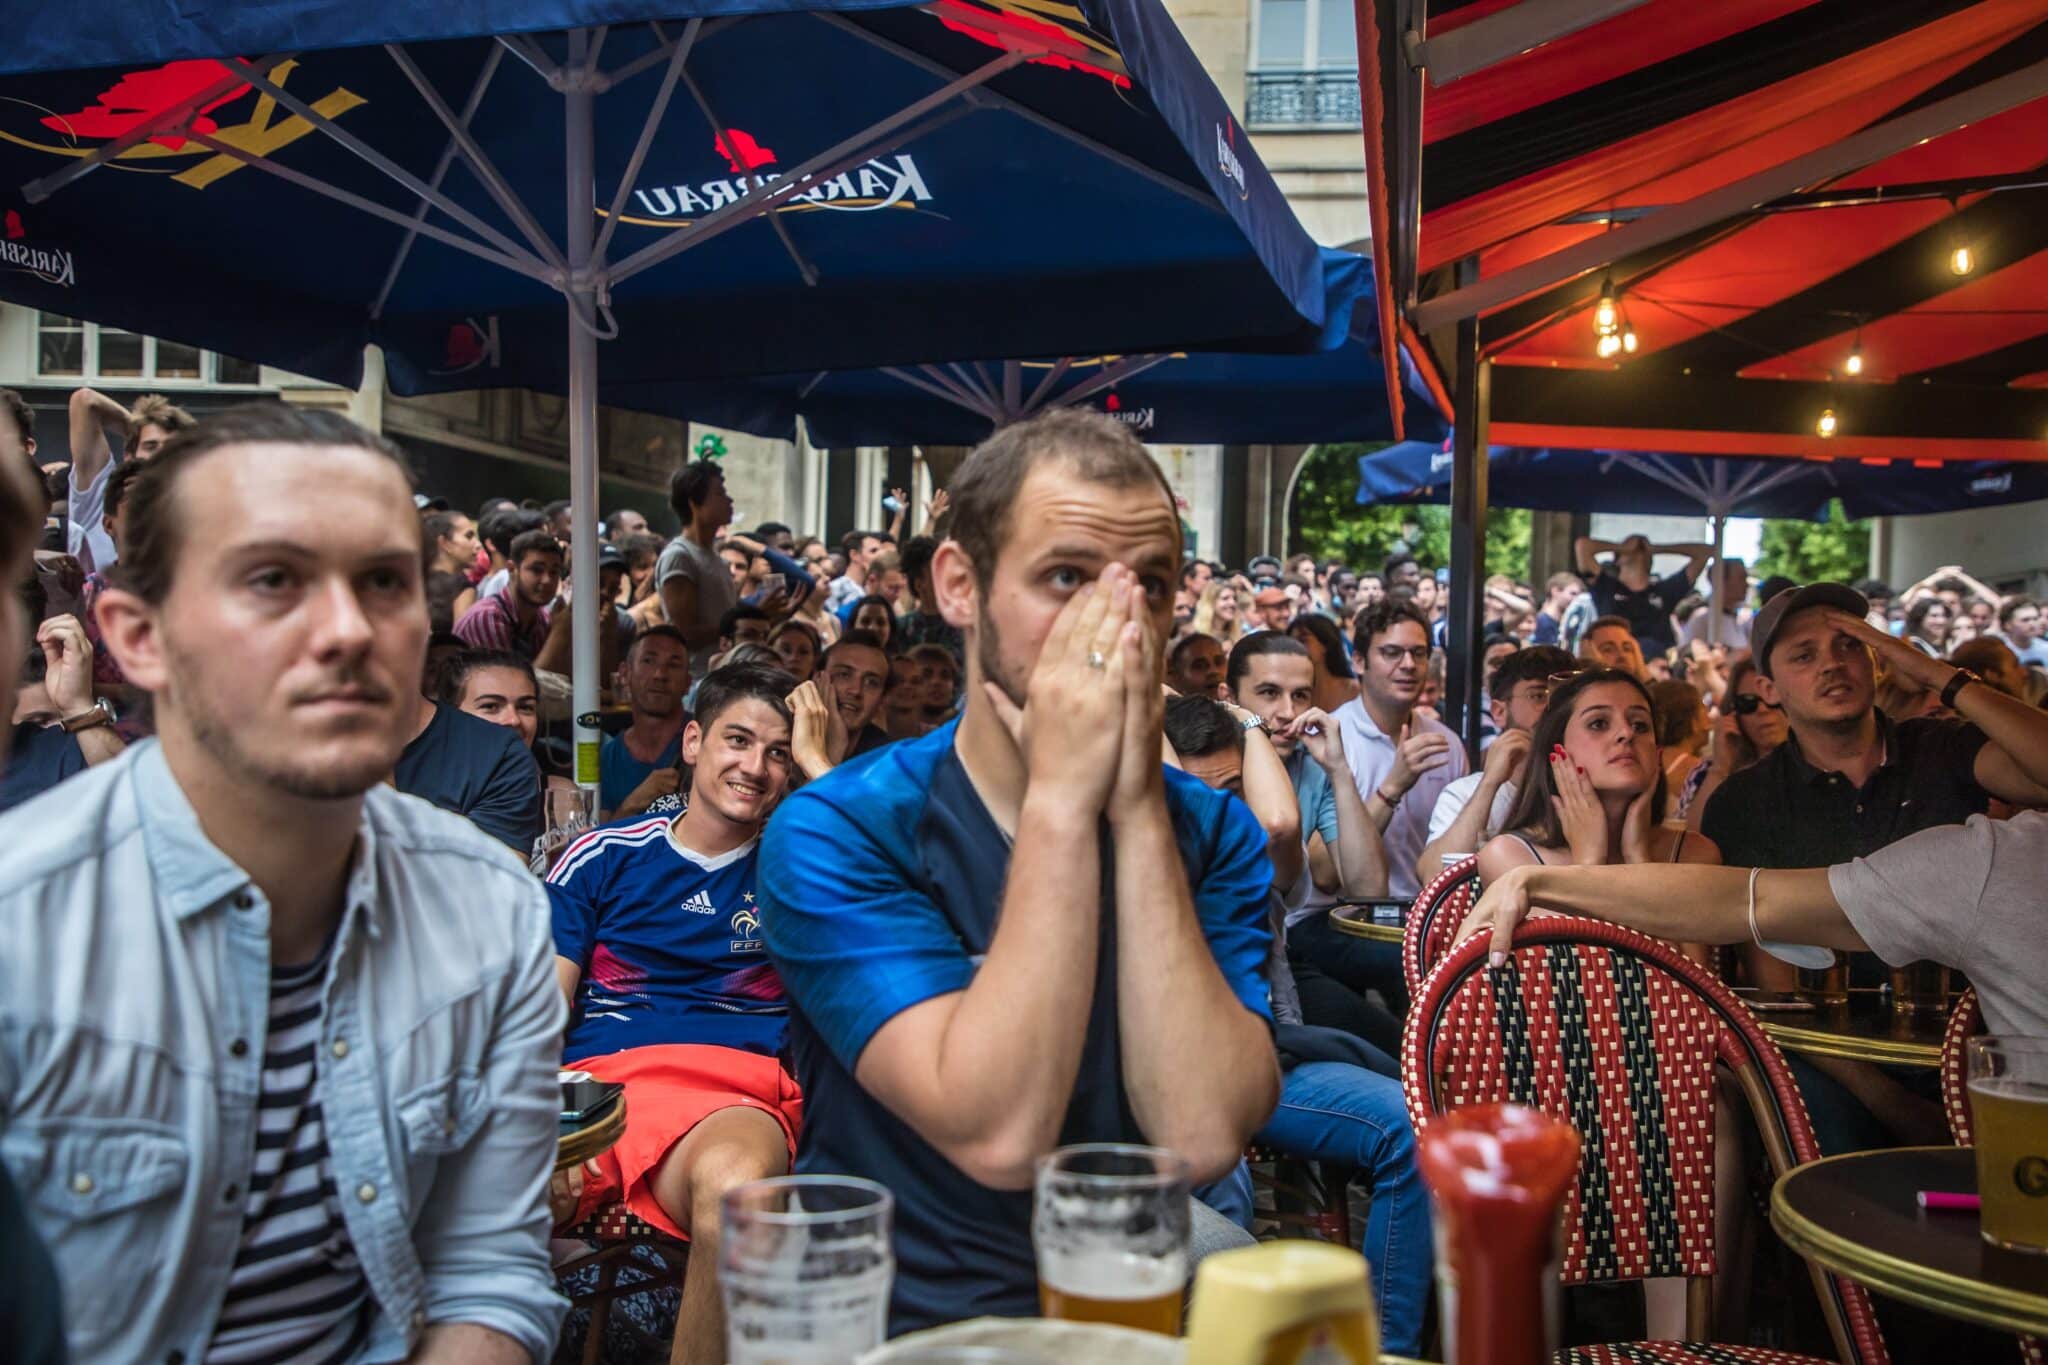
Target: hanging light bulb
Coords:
[[1628, 340], [1603, 313], [1607, 346], [1854, 364], [1827, 424], [1961, 259]]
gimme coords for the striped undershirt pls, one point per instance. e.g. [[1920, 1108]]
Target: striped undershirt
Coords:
[[297, 1291]]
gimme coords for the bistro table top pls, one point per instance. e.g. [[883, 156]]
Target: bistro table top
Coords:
[[1384, 919], [1866, 1029], [1858, 1216], [580, 1142]]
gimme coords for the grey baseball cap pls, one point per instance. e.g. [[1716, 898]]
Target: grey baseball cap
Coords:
[[1771, 617]]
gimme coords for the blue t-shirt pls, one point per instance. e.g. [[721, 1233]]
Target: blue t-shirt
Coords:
[[669, 942], [885, 880], [476, 769], [1316, 797], [39, 757], [618, 772]]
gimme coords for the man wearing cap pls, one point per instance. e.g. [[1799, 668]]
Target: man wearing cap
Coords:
[[1274, 608], [1849, 781]]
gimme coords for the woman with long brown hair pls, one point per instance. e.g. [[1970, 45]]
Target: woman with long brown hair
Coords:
[[1593, 791]]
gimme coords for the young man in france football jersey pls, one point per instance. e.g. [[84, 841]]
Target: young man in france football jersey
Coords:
[[658, 943], [1023, 930]]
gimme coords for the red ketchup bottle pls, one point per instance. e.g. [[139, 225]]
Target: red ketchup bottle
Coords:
[[1498, 1174]]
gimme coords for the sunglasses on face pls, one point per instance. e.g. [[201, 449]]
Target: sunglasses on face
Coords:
[[1748, 704]]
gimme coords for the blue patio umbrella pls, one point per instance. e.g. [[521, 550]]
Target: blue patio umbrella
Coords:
[[699, 188], [1184, 396], [1696, 485]]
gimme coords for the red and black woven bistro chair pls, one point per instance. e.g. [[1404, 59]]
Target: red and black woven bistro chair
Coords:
[[631, 1257], [1618, 1035], [1438, 910], [1965, 1022]]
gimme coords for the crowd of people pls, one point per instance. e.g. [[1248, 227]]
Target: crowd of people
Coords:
[[280, 1015]]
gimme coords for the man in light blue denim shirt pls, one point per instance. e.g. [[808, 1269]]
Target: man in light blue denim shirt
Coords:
[[156, 1100]]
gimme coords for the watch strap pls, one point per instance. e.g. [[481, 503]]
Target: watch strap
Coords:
[[99, 713], [1963, 678]]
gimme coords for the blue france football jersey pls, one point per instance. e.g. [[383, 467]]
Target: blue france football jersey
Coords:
[[669, 942]]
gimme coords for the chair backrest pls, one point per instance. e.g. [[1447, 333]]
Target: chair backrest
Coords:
[[1617, 1034], [1438, 910], [1965, 1021]]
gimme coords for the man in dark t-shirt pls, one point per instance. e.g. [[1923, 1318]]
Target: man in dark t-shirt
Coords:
[[951, 1024], [1622, 586], [476, 769]]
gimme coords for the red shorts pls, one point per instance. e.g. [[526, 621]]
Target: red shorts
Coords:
[[670, 1089]]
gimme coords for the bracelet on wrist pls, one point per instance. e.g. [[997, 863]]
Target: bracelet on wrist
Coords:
[[1390, 801], [1961, 679]]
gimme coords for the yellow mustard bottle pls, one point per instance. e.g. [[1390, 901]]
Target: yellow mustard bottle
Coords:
[[1283, 1303]]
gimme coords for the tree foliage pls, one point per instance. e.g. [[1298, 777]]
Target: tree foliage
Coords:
[[1329, 523], [1837, 549]]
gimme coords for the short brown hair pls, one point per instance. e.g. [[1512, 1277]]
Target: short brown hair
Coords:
[[1100, 450], [24, 501], [153, 409], [152, 532]]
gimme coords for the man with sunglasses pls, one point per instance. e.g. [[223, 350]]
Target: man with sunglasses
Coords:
[[1474, 808]]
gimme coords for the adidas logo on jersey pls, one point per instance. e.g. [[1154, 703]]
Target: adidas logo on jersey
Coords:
[[700, 904]]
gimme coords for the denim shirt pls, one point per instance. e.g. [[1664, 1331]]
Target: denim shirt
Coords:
[[134, 995]]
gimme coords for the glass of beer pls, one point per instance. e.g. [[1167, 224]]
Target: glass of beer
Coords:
[[2009, 1118], [805, 1269], [1110, 1225], [1826, 986], [1920, 988]]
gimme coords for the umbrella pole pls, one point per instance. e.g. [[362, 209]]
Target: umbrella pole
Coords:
[[581, 297], [1714, 580], [1464, 678]]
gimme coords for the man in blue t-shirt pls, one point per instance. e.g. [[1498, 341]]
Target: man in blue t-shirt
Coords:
[[658, 948], [951, 1023], [481, 771]]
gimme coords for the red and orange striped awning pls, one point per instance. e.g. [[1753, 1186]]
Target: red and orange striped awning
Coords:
[[1745, 323]]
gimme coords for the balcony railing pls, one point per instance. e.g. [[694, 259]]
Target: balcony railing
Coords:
[[1301, 99]]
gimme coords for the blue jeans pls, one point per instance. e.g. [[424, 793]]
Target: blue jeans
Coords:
[[1349, 1116]]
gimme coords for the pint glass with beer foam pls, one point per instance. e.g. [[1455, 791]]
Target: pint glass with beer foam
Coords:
[[2009, 1118], [1110, 1226]]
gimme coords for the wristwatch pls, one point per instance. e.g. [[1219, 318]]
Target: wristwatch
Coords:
[[1962, 678], [101, 712], [1251, 722]]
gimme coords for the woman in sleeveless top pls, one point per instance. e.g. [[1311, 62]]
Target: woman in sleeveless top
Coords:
[[1594, 788]]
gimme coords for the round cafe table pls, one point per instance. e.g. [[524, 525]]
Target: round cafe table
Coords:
[[1858, 1216], [582, 1141], [1866, 1029], [1383, 921]]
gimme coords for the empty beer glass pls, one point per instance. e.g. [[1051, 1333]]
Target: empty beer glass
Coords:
[[805, 1269], [1110, 1225], [2009, 1119]]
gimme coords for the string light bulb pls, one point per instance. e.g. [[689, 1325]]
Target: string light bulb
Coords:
[[1607, 346], [1961, 259], [1628, 340], [1827, 424], [1854, 364], [1603, 313]]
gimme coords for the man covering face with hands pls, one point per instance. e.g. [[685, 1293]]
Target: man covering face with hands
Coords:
[[951, 1023]]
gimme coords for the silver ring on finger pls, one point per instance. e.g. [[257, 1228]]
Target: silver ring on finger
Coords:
[[1097, 660]]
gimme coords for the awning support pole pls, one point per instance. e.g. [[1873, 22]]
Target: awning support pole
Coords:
[[1110, 375], [1509, 33], [1715, 606], [1464, 668], [928, 383], [1052, 376], [579, 157], [803, 265]]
